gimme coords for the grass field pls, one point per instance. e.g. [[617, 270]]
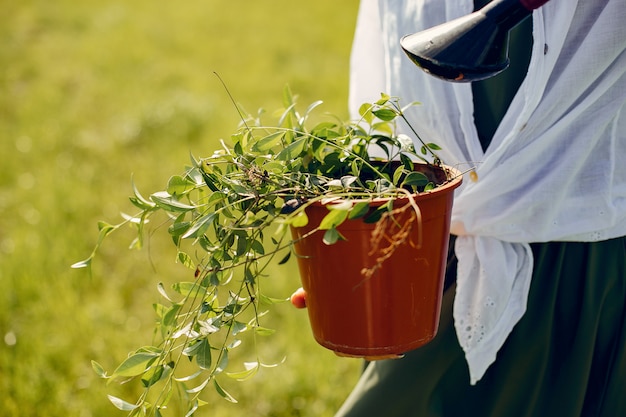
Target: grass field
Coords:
[[92, 92]]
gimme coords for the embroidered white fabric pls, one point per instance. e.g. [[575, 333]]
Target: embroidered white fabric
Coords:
[[555, 169]]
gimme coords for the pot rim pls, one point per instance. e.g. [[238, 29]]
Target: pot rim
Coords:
[[454, 181]]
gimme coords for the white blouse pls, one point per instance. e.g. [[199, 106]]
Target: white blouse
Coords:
[[555, 169]]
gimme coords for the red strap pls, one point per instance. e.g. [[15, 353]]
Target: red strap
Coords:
[[533, 4]]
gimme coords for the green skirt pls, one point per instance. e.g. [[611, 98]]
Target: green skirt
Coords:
[[566, 357]]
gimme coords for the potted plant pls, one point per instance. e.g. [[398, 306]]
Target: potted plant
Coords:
[[284, 191]]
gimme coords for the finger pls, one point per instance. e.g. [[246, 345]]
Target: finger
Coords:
[[298, 298]]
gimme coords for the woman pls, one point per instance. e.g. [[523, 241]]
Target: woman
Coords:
[[534, 323]]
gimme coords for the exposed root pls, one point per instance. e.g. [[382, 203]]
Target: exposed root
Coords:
[[389, 234]]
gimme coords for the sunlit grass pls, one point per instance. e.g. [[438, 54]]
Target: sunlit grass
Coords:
[[94, 92]]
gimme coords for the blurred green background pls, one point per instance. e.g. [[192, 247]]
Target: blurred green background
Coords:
[[92, 92]]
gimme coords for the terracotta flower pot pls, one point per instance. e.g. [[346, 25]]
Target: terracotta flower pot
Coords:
[[396, 307]]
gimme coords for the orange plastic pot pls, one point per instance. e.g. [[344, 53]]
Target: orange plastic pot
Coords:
[[397, 308]]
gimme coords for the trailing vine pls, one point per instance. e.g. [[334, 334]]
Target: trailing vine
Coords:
[[228, 215]]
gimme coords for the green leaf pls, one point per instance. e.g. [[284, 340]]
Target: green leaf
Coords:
[[210, 180], [273, 167], [416, 179], [365, 111], [238, 327], [242, 242], [178, 185], [333, 219], [192, 349], [154, 375], [264, 331], [179, 227], [121, 404], [188, 377], [235, 343], [224, 359], [311, 107], [375, 215], [159, 309], [406, 162], [98, 369], [169, 318], [287, 96], [359, 210], [203, 355], [138, 200], [233, 307], [385, 114], [186, 260], [209, 326], [223, 392], [239, 188], [249, 276], [199, 388], [169, 202], [332, 236], [257, 247], [345, 205], [299, 220], [397, 174], [268, 142], [82, 264], [251, 368], [285, 258], [136, 364], [162, 291], [187, 288], [132, 219], [264, 299], [150, 349], [384, 98], [238, 149], [105, 227], [411, 104], [292, 150], [194, 406], [199, 226]]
